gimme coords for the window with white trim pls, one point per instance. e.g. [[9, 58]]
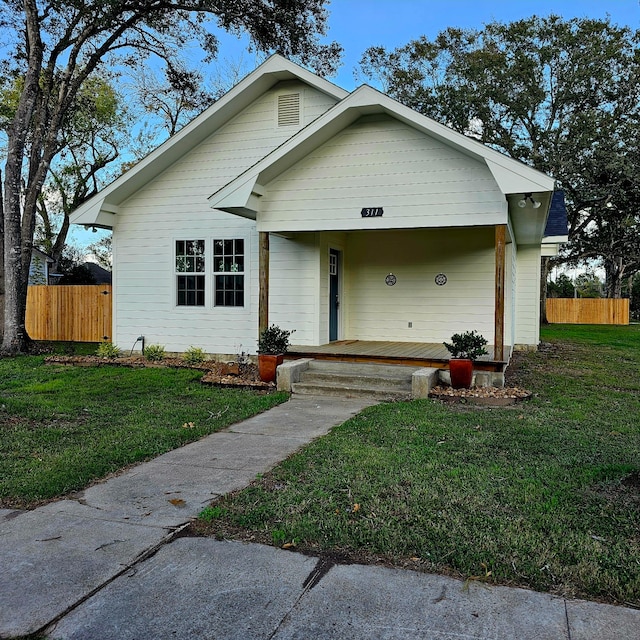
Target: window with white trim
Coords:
[[228, 271], [190, 273]]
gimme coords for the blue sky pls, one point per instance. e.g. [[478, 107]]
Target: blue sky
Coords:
[[359, 24]]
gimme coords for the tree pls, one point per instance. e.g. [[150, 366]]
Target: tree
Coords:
[[101, 252], [561, 96], [72, 267], [90, 141], [54, 48], [588, 285], [563, 287], [176, 98]]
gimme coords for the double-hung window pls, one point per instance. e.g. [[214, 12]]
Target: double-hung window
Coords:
[[190, 273], [228, 269]]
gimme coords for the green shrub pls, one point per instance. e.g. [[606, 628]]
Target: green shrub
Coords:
[[154, 352], [469, 345], [194, 356], [274, 340], [107, 350]]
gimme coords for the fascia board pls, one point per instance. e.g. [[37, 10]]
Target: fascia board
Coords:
[[238, 197], [521, 179], [285, 156], [555, 239], [88, 212], [306, 140], [549, 250]]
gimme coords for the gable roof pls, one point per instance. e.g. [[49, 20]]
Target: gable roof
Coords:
[[241, 195], [99, 209]]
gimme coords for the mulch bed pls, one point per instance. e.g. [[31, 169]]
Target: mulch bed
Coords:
[[487, 396], [222, 374]]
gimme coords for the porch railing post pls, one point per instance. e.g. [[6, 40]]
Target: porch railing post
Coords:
[[263, 268], [501, 235]]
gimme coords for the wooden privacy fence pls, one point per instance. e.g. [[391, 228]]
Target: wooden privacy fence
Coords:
[[77, 313], [588, 310]]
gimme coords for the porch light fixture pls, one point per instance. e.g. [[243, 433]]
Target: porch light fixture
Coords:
[[527, 196]]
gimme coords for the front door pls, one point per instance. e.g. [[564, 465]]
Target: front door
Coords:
[[334, 292]]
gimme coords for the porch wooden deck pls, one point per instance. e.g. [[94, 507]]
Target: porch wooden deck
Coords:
[[421, 354]]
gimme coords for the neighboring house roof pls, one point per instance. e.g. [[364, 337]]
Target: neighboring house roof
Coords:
[[44, 256], [100, 274], [98, 211]]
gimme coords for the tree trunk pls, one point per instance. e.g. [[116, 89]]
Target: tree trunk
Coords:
[[15, 338], [614, 271]]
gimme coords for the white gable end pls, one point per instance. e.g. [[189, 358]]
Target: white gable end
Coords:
[[174, 207], [379, 162]]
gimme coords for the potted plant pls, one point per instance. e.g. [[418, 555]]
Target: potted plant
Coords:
[[272, 345], [464, 349]]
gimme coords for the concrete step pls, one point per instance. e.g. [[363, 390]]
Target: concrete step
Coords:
[[361, 369], [347, 378], [339, 389], [355, 379], [323, 377]]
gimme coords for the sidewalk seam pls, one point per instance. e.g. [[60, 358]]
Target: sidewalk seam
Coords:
[[322, 567], [144, 555], [566, 617]]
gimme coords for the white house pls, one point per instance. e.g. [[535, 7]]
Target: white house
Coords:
[[345, 216]]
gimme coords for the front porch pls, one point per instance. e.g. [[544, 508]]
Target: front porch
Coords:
[[417, 354]]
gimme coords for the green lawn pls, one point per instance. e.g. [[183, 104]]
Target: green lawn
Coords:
[[63, 427], [544, 495]]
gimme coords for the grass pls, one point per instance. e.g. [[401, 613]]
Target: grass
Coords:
[[544, 495], [64, 427]]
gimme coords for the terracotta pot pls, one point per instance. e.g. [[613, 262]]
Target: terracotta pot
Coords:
[[461, 373], [267, 364]]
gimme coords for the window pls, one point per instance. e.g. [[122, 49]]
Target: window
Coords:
[[189, 266], [228, 267]]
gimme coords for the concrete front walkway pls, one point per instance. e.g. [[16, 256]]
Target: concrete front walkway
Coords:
[[106, 564], [54, 556]]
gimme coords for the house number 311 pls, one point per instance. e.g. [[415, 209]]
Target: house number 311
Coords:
[[372, 212]]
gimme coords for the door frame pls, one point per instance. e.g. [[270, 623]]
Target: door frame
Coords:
[[338, 281]]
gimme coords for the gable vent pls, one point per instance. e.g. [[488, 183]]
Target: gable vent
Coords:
[[289, 109]]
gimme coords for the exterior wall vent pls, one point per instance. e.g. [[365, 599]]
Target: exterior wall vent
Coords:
[[289, 109]]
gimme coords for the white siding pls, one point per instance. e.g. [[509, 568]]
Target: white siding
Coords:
[[528, 296], [174, 207], [510, 298], [381, 162], [377, 311], [293, 286]]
